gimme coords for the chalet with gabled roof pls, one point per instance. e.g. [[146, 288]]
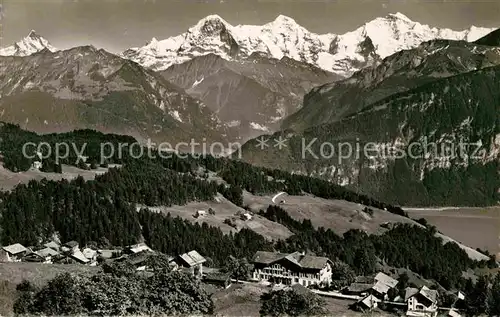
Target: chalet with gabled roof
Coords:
[[292, 268], [378, 286], [421, 302], [46, 255], [138, 248], [192, 261], [14, 252]]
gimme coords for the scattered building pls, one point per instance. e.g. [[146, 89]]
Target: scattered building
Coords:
[[293, 268], [192, 261], [53, 245], [359, 289], [70, 246], [421, 302], [37, 165], [109, 254], [386, 279], [453, 313], [378, 286], [246, 216], [380, 290], [14, 252], [368, 303], [138, 248], [47, 254], [200, 213], [91, 255], [79, 257], [139, 261], [218, 279]]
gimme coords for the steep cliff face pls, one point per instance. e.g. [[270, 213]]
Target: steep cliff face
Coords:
[[491, 39], [437, 144], [400, 72], [251, 96]]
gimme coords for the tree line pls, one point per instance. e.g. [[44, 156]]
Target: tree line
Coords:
[[239, 175], [403, 245]]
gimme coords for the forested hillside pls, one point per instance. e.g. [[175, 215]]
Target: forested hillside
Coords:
[[105, 211]]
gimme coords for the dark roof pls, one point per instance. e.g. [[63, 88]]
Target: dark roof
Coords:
[[220, 277], [47, 252], [71, 244], [429, 294], [313, 262], [359, 287], [426, 292], [265, 257], [304, 261], [409, 292], [138, 259]]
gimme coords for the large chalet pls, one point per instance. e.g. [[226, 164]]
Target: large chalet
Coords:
[[292, 268]]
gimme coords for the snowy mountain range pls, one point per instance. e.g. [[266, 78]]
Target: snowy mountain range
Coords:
[[284, 37], [32, 43]]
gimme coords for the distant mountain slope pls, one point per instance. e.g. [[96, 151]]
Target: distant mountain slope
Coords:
[[252, 96], [407, 148], [399, 72], [492, 39], [284, 37], [88, 88], [32, 43]]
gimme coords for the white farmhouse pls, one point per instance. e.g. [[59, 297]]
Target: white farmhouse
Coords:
[[201, 213], [421, 302]]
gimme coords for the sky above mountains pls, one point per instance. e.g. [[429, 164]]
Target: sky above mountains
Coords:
[[119, 24]]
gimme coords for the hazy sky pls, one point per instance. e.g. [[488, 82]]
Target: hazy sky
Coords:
[[119, 24]]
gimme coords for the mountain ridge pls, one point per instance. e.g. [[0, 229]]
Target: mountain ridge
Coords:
[[447, 98], [30, 44], [85, 87], [341, 54], [399, 72], [253, 95]]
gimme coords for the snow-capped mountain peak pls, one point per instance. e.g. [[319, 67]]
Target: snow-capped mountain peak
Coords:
[[399, 16], [210, 25], [283, 23], [284, 37], [31, 44], [283, 20]]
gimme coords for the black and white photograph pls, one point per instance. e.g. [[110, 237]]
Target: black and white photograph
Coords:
[[250, 158]]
